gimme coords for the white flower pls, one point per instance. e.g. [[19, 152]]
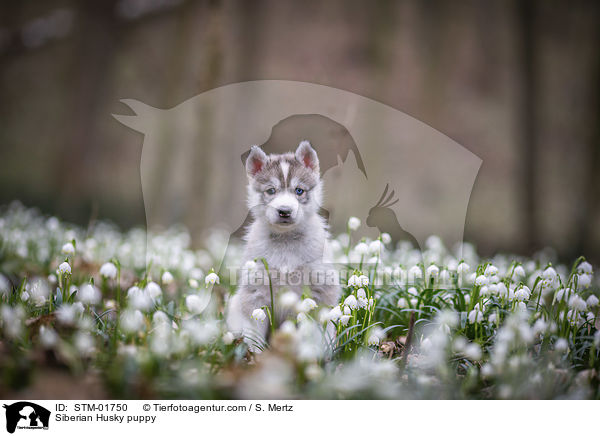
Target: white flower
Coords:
[[4, 285], [160, 317], [64, 268], [259, 315], [415, 273], [108, 270], [592, 301], [167, 278], [194, 303], [481, 280], [521, 294], [402, 303], [475, 316], [472, 351], [353, 280], [89, 294], [584, 268], [250, 265], [193, 283], [463, 268], [386, 238], [363, 280], [361, 249], [307, 305], [153, 290], [287, 327], [301, 317], [335, 313], [413, 291], [132, 321], [48, 337], [351, 302], [549, 274], [519, 271], [68, 249], [139, 298], [84, 343], [362, 302], [228, 338], [360, 293], [432, 271], [25, 296], [491, 270], [67, 313], [353, 223], [211, 279], [344, 319], [584, 280], [561, 345], [577, 303], [347, 310], [375, 247], [288, 299]]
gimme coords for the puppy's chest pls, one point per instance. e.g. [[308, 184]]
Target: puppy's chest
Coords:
[[285, 255]]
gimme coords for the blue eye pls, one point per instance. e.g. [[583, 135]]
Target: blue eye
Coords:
[[270, 191], [299, 191]]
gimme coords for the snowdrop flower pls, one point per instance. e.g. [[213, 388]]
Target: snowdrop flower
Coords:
[[89, 294], [347, 310], [259, 315], [475, 316], [211, 279], [67, 313], [344, 319], [362, 302], [287, 328], [463, 268], [360, 293], [577, 303], [353, 223], [415, 273], [301, 318], [288, 300], [597, 339], [108, 270], [132, 321], [432, 271], [491, 270], [447, 318], [139, 299], [48, 337], [561, 345], [592, 301], [363, 280], [84, 343], [549, 274], [160, 317], [193, 283], [481, 280], [12, 320], [519, 272], [4, 285], [472, 351], [68, 249], [584, 280], [375, 247], [335, 313], [153, 290], [361, 249], [402, 303], [351, 302], [167, 278], [64, 268], [376, 335], [228, 338], [250, 265], [584, 268], [386, 238], [522, 293], [307, 305], [353, 280], [195, 304]]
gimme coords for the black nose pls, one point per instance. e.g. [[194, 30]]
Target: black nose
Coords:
[[284, 213]]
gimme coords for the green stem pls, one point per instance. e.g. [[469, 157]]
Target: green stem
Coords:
[[273, 318]]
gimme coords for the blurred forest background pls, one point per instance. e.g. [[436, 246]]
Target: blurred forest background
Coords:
[[515, 82]]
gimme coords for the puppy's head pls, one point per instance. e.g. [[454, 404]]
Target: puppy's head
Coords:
[[284, 189]]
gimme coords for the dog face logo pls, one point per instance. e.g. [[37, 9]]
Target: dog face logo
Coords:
[[26, 415]]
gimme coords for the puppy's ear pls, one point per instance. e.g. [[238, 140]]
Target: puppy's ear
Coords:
[[307, 156], [257, 159]]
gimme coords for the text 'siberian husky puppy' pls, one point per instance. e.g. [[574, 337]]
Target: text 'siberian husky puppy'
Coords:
[[284, 197]]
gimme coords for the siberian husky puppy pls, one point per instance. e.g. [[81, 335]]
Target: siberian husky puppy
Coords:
[[284, 197]]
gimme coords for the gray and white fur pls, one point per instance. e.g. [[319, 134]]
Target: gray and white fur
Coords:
[[284, 196]]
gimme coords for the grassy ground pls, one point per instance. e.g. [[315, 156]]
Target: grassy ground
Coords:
[[82, 316]]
